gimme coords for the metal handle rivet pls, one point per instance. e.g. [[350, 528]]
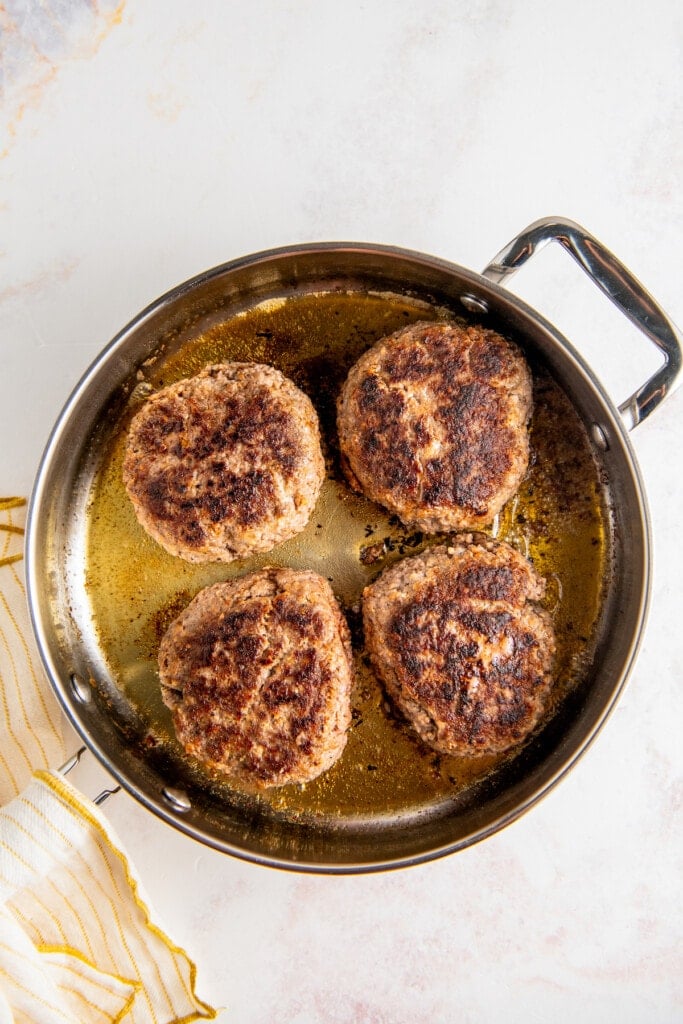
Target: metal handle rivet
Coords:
[[81, 689], [599, 437], [474, 304], [177, 799]]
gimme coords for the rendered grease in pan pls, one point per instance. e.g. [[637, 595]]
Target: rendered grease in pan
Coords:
[[558, 519]]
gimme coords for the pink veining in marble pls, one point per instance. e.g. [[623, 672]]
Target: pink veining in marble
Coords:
[[36, 40]]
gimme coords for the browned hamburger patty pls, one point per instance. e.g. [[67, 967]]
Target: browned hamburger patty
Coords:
[[224, 464], [460, 645], [433, 424], [257, 673]]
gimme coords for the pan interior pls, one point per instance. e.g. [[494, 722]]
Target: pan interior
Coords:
[[124, 590]]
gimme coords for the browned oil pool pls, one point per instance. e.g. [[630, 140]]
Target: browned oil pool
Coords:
[[558, 519]]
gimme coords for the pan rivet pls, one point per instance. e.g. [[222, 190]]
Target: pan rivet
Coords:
[[599, 437], [177, 799], [474, 304], [81, 690]]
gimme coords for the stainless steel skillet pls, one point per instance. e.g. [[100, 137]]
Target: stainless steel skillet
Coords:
[[60, 531]]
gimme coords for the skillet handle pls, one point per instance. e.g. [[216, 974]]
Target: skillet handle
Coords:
[[76, 759], [619, 285]]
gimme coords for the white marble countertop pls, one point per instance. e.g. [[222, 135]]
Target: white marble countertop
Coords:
[[142, 142]]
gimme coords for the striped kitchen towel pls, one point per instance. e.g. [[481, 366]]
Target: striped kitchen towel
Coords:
[[78, 941], [32, 729]]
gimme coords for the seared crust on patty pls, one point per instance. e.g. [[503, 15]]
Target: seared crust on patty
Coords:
[[433, 424], [224, 464], [460, 644], [257, 673]]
